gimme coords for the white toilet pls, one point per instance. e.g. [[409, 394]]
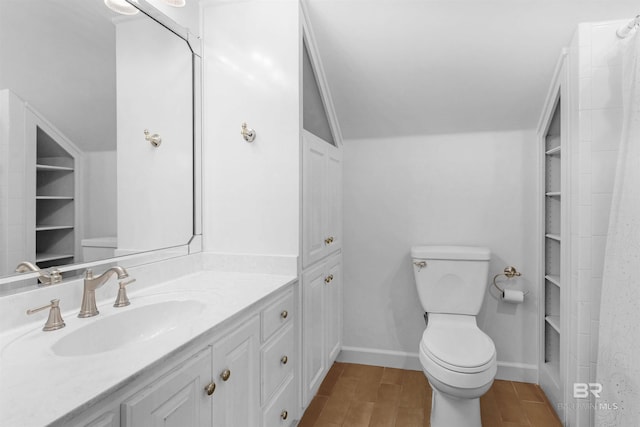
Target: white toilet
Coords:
[[458, 359]]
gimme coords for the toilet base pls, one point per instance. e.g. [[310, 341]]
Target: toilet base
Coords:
[[449, 411]]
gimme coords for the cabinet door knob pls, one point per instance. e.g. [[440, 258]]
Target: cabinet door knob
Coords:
[[284, 415], [328, 279], [327, 241], [284, 360], [210, 388], [225, 375], [284, 314]]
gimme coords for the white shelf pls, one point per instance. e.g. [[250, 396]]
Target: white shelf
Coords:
[[53, 168], [54, 227], [553, 279], [554, 322], [54, 198], [55, 243], [553, 194], [555, 237], [554, 150], [44, 257]]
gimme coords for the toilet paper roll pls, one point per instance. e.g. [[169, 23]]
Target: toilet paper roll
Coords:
[[512, 296]]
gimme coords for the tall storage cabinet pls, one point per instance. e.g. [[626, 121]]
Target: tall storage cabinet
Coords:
[[279, 195], [554, 238], [321, 231]]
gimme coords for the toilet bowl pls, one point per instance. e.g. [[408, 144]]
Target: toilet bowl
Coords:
[[458, 359]]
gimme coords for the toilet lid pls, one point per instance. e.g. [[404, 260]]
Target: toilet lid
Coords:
[[461, 348]]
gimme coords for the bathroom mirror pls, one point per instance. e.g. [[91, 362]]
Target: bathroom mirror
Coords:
[[96, 135]]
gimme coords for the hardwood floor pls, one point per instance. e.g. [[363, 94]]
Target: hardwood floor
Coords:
[[371, 396]]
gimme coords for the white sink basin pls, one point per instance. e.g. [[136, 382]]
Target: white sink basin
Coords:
[[133, 325]]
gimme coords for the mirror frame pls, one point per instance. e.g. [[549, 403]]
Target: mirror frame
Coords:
[[25, 282]]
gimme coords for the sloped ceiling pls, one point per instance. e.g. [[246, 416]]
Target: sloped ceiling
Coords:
[[59, 56], [411, 67]]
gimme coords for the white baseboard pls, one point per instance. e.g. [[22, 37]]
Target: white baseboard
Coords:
[[403, 360], [377, 357], [522, 372]]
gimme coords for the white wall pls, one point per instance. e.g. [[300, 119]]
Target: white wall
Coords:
[[59, 56], [471, 189], [155, 184], [187, 16], [100, 198], [251, 74], [13, 190]]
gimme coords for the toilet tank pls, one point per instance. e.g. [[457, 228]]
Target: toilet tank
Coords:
[[451, 279]]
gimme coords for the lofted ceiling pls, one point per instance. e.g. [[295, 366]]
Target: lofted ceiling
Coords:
[[411, 67]]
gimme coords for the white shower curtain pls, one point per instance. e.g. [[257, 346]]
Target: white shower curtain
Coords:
[[618, 367]]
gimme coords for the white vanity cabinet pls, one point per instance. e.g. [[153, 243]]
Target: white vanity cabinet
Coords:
[[321, 198], [322, 321], [241, 375], [176, 399], [279, 362], [237, 375]]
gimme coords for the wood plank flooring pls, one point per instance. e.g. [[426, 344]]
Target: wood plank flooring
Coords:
[[371, 396]]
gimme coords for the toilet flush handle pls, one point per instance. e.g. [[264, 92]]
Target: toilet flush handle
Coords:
[[420, 264]]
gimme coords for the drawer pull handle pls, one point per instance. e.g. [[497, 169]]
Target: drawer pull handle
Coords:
[[284, 314], [284, 360], [210, 388], [225, 375], [328, 279], [284, 415]]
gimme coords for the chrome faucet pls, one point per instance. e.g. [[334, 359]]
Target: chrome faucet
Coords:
[[52, 278], [88, 307]]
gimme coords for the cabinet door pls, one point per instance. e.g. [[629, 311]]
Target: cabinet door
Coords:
[[178, 399], [334, 197], [236, 372], [333, 312], [313, 332], [108, 419], [314, 198]]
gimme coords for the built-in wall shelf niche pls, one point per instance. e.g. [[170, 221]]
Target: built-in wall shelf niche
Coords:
[[55, 198], [553, 242]]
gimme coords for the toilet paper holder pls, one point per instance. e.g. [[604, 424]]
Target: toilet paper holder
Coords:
[[509, 272]]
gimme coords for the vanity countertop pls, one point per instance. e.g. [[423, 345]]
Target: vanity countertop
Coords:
[[39, 387]]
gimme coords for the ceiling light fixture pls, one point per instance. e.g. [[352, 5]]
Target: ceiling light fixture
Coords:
[[175, 3], [121, 6]]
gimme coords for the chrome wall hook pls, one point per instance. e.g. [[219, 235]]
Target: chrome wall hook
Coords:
[[248, 134], [154, 139]]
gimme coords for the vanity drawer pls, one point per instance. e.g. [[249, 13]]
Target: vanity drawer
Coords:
[[282, 410], [277, 360], [278, 314]]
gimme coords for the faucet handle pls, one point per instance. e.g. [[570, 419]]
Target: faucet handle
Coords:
[[122, 300], [54, 276], [55, 318]]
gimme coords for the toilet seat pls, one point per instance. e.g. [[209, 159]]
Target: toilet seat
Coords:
[[456, 343], [456, 352]]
